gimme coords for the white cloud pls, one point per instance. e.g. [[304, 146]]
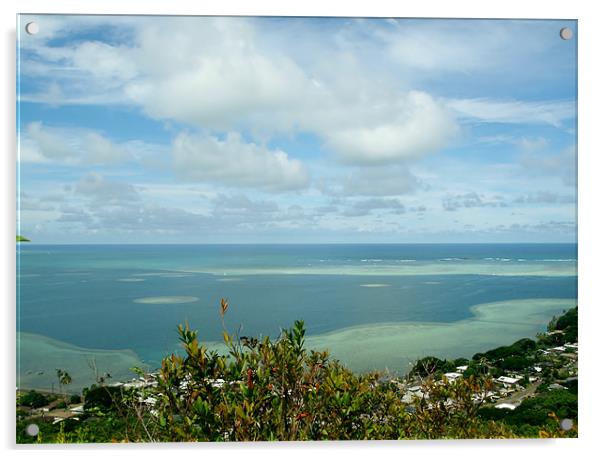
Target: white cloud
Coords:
[[421, 126], [232, 162], [513, 111], [40, 143], [228, 74]]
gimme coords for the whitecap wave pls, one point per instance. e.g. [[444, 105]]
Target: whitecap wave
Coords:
[[166, 300]]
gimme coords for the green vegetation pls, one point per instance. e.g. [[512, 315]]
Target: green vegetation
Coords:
[[535, 412], [562, 329], [518, 348], [33, 399], [20, 238], [278, 390]]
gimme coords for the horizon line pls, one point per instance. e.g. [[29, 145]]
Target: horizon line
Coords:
[[298, 243]]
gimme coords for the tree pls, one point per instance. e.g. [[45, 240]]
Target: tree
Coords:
[[64, 378]]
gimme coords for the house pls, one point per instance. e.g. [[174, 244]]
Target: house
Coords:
[[452, 376], [461, 368], [507, 381]]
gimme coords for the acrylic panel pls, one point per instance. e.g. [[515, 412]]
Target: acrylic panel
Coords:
[[281, 228]]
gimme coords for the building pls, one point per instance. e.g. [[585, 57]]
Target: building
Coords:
[[452, 376]]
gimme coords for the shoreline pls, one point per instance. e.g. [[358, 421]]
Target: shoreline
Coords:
[[488, 328], [362, 348], [74, 359]]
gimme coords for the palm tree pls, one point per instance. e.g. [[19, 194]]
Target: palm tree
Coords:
[[64, 379]]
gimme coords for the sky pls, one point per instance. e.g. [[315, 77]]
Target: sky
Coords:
[[295, 130]]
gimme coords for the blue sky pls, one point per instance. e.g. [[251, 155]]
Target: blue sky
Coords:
[[296, 130]]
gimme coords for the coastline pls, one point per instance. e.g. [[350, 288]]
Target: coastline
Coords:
[[38, 358], [381, 346], [492, 324]]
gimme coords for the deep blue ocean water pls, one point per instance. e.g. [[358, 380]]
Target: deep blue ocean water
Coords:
[[86, 295]]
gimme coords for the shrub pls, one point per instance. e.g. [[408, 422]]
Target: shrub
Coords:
[[33, 399], [102, 397]]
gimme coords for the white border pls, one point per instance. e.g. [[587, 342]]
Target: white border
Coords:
[[590, 80]]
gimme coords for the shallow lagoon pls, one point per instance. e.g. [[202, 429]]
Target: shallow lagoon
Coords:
[[384, 346], [372, 306]]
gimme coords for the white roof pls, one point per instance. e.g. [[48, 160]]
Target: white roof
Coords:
[[559, 348], [135, 384], [505, 405], [508, 380], [453, 375], [461, 368]]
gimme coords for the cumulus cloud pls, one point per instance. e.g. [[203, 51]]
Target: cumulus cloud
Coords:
[[231, 74], [234, 162], [421, 126], [232, 92], [41, 143]]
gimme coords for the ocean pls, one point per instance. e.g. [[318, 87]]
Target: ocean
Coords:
[[106, 308]]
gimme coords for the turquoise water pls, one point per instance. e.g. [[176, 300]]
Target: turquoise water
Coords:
[[125, 301]]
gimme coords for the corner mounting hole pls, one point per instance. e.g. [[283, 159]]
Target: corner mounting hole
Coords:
[[32, 28], [32, 429], [566, 424], [566, 33]]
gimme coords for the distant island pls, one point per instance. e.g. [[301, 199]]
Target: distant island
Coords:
[[20, 238], [278, 390]]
